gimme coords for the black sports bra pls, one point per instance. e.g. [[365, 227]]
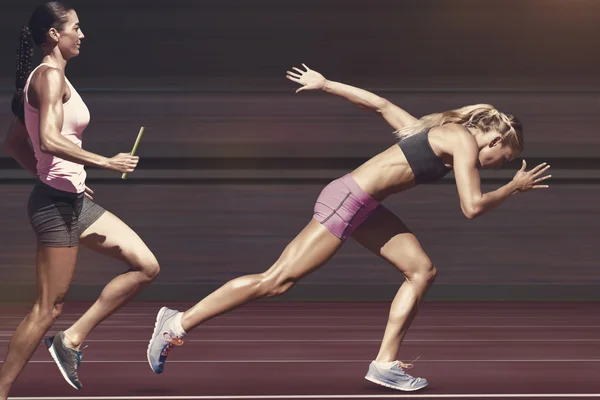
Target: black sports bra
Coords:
[[424, 163]]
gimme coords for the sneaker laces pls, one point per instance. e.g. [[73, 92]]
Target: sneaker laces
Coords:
[[404, 366], [172, 341], [79, 355]]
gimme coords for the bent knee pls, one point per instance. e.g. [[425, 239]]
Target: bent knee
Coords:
[[45, 312], [150, 269], [274, 284], [424, 273], [147, 264]]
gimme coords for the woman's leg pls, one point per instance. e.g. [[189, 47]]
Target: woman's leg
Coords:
[[112, 237], [388, 237], [54, 270], [312, 248]]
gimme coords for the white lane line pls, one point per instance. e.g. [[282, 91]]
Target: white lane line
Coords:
[[590, 360], [115, 326], [328, 396]]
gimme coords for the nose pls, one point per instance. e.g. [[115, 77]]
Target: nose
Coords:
[[81, 35]]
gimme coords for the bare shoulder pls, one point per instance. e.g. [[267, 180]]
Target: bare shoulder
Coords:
[[454, 131], [49, 81], [455, 137], [51, 76]]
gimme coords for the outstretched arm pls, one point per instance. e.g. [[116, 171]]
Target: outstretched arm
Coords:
[[312, 80], [468, 182]]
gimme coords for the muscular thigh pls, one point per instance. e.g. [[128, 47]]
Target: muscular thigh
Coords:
[[112, 237], [388, 237], [312, 248], [54, 271]]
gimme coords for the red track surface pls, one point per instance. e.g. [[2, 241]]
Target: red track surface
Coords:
[[325, 348]]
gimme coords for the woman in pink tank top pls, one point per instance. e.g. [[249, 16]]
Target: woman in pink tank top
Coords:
[[62, 213]]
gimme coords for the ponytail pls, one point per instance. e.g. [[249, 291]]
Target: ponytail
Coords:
[[24, 62], [483, 117]]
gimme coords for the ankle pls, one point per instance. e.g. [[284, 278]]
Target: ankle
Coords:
[[186, 322], [384, 358], [177, 325], [72, 341], [384, 363]]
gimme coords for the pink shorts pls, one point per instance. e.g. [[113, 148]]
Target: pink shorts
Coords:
[[342, 206]]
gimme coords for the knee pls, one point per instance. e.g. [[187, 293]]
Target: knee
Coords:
[[423, 274], [275, 283], [151, 269], [47, 312], [147, 265]]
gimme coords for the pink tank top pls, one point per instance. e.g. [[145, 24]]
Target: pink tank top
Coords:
[[53, 171]]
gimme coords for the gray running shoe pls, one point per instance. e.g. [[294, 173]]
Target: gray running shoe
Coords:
[[66, 359], [395, 377]]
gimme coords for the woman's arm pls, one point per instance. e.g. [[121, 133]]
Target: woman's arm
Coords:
[[49, 88], [17, 146], [312, 80], [468, 182]]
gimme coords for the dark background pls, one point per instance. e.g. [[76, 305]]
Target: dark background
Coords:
[[233, 160]]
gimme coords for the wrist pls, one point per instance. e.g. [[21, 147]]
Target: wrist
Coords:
[[326, 86], [514, 187], [103, 162]]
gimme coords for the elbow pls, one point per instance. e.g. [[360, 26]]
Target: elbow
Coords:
[[470, 214], [44, 147], [471, 211], [382, 105], [47, 146]]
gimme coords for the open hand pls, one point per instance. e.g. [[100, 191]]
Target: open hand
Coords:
[[309, 79], [527, 180]]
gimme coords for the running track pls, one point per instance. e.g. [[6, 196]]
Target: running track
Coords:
[[285, 350]]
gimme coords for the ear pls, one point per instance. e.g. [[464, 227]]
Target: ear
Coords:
[[53, 35], [496, 141]]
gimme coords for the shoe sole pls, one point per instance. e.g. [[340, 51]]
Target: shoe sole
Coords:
[[377, 381], [56, 359], [160, 314]]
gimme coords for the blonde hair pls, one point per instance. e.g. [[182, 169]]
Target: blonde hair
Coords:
[[484, 117]]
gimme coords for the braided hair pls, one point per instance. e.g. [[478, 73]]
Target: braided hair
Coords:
[[24, 59]]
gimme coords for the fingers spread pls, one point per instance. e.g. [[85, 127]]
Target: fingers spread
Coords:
[[542, 179], [293, 79], [539, 167]]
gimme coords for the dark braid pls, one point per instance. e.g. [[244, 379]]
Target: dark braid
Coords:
[[24, 59]]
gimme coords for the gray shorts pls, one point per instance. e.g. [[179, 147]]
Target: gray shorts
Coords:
[[59, 218]]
